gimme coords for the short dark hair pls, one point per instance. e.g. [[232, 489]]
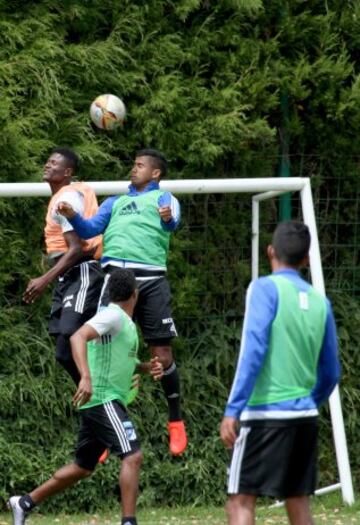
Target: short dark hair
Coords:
[[72, 159], [159, 161], [291, 242], [122, 284]]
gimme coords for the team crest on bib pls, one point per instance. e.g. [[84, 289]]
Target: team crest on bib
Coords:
[[130, 430]]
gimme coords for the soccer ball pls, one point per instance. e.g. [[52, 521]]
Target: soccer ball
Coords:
[[107, 111]]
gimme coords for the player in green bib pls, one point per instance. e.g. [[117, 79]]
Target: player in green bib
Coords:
[[105, 351], [287, 368], [137, 229]]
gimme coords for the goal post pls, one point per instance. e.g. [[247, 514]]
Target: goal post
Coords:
[[262, 189]]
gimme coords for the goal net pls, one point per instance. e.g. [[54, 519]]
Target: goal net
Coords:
[[262, 190]]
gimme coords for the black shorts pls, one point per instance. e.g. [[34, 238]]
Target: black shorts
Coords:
[[75, 298], [276, 458], [153, 308], [103, 427]]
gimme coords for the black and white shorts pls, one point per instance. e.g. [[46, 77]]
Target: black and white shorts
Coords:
[[103, 427], [75, 298], [275, 458], [153, 308]]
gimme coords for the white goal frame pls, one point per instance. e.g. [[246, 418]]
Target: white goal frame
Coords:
[[263, 189]]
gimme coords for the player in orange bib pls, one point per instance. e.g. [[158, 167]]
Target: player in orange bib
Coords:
[[73, 262]]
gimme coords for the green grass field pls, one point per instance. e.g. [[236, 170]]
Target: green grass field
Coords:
[[328, 510]]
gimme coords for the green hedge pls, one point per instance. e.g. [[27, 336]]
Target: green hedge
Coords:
[[202, 81]]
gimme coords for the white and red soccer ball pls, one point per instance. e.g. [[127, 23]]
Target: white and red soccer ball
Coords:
[[107, 111]]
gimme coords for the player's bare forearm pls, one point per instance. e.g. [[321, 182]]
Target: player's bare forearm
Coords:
[[74, 254], [79, 352], [78, 342], [36, 286]]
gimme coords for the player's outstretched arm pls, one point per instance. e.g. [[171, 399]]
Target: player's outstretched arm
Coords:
[[95, 225]]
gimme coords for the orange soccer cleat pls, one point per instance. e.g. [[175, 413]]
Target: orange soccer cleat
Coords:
[[178, 438], [103, 456]]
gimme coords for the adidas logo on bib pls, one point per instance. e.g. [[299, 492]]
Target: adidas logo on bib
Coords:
[[129, 209]]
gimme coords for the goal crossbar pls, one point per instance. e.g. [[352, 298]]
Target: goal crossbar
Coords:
[[263, 188], [284, 184]]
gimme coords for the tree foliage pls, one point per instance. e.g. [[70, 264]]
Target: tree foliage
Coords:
[[202, 80]]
